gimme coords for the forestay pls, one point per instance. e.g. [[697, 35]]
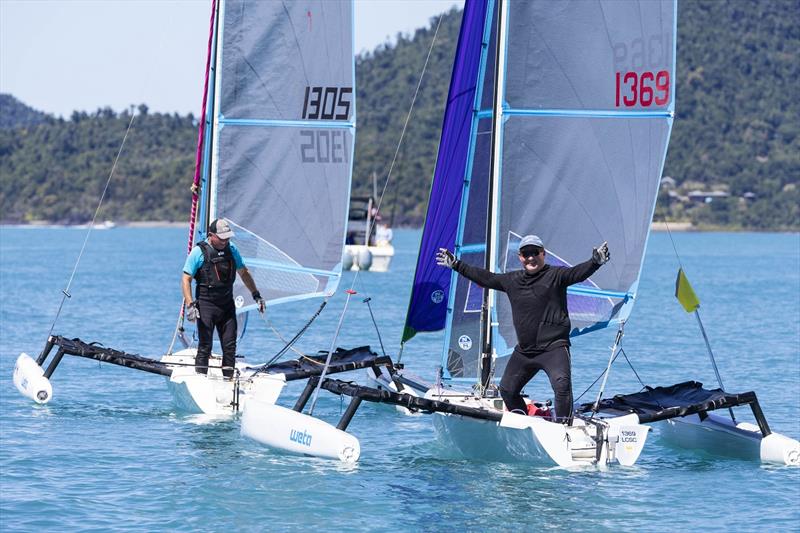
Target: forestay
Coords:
[[587, 106], [279, 159]]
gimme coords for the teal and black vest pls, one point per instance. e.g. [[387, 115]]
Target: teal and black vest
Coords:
[[216, 275]]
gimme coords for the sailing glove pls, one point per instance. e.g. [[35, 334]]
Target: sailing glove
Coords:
[[445, 258], [259, 301], [192, 312], [601, 255]]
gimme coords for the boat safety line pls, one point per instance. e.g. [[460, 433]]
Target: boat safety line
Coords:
[[65, 291]]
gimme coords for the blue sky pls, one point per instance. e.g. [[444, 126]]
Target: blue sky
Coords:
[[62, 55]]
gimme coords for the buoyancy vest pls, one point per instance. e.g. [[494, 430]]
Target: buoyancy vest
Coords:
[[216, 275]]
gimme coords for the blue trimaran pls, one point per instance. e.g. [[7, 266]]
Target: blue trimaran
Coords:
[[557, 122], [275, 158]]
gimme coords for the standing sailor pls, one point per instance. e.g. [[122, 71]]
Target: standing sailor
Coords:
[[538, 297], [213, 264]]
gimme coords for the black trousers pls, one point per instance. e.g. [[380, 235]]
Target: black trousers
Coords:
[[223, 319], [521, 369]]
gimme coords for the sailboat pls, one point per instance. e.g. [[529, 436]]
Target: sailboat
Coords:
[[275, 158], [557, 123]]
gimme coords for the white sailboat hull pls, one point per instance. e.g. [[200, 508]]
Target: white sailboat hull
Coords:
[[372, 258], [537, 440], [212, 394], [719, 436], [289, 431]]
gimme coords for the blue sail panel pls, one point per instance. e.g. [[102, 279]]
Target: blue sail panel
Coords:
[[428, 306]]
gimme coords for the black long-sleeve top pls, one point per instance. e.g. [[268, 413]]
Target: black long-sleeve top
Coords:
[[538, 301]]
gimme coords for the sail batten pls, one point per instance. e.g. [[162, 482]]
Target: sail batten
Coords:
[[285, 123]]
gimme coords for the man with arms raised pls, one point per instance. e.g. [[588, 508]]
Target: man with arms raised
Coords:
[[538, 297]]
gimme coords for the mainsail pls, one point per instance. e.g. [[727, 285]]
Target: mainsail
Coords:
[[278, 160], [586, 110]]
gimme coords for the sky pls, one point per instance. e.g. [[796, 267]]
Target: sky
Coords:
[[59, 56]]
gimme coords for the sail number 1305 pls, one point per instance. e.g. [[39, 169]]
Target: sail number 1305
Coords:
[[327, 103], [642, 88]]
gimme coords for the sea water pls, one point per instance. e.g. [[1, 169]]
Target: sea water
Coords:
[[110, 452]]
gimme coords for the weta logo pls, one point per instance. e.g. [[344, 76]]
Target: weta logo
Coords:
[[300, 437]]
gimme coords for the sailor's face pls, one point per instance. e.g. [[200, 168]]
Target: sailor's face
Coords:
[[216, 242], [532, 259]]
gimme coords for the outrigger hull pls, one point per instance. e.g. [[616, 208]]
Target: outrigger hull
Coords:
[[719, 436], [685, 419]]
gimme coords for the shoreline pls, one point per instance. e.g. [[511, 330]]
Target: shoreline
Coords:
[[676, 227]]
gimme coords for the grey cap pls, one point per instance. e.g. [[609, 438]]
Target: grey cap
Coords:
[[221, 228], [530, 240]]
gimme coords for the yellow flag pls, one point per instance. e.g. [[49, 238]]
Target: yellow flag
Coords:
[[685, 294]]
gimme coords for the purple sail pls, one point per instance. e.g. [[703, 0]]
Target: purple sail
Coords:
[[428, 307]]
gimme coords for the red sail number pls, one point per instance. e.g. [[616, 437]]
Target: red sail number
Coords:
[[643, 89]]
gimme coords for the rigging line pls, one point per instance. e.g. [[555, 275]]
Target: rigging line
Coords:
[[290, 343], [635, 373], [374, 322], [620, 351], [198, 170], [351, 291], [700, 323], [596, 380], [65, 291], [402, 135], [674, 247], [378, 331], [291, 347]]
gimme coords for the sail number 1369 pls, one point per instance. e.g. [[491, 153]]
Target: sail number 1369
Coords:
[[642, 88]]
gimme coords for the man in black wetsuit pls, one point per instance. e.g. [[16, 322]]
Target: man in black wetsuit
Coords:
[[214, 264], [538, 297]]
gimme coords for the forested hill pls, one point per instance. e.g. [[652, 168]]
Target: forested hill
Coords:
[[734, 157], [14, 113]]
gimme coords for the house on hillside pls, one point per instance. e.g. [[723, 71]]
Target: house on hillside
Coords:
[[706, 197]]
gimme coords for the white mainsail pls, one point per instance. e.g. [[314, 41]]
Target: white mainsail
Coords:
[[282, 140]]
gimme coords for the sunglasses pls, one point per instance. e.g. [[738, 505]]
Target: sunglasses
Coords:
[[530, 251]]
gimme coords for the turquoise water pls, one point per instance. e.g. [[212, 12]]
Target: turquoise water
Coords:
[[110, 452]]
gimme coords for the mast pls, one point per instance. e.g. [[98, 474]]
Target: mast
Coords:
[[487, 349], [213, 164]]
